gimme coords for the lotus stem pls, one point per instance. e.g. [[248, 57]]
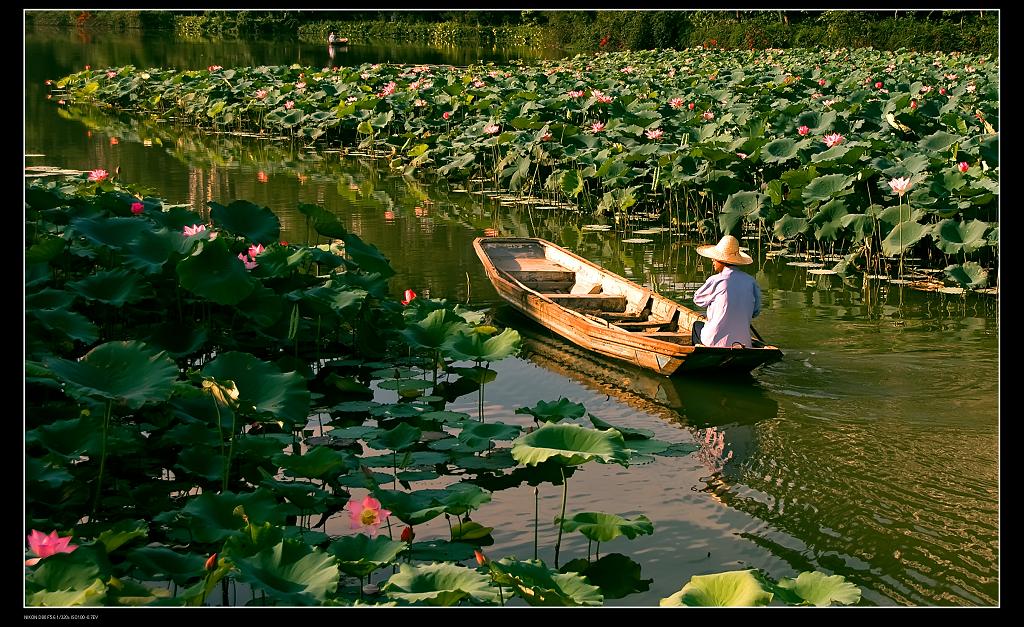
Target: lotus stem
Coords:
[[103, 460], [231, 452], [536, 511], [565, 493]]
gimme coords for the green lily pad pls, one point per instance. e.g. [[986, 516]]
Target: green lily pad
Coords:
[[367, 256], [113, 287], [439, 584], [969, 274], [401, 437], [733, 588], [262, 388], [164, 563], [902, 237], [469, 531], [601, 527], [111, 232], [779, 150], [628, 433], [615, 575], [433, 331], [540, 586], [412, 508], [69, 323], [476, 347], [441, 550], [216, 274], [360, 555], [212, 517], [257, 224], [122, 532], [461, 498], [319, 462], [570, 445], [489, 430], [291, 573], [826, 187], [814, 588], [952, 237], [553, 412], [130, 372]]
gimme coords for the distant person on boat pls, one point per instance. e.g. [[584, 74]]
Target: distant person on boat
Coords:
[[733, 297], [330, 38]]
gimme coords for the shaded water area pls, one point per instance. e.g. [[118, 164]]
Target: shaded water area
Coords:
[[871, 450]]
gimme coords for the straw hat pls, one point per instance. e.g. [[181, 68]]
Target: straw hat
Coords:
[[727, 251]]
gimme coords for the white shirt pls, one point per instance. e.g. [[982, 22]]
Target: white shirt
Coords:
[[733, 298]]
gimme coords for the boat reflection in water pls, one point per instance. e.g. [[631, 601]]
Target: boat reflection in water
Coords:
[[720, 414]]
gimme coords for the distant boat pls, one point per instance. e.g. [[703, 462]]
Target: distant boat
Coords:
[[603, 312]]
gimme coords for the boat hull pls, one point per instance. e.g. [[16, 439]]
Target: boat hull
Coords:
[[589, 331]]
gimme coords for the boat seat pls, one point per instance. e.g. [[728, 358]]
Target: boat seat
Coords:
[[624, 316], [590, 302], [642, 324], [670, 336]]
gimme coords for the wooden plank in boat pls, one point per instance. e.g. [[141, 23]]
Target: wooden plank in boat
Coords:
[[590, 302], [532, 276]]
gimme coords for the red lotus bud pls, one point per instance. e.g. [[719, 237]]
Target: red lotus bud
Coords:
[[481, 559], [211, 562], [408, 534]]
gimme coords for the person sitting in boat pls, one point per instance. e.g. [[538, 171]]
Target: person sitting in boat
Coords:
[[733, 297], [330, 38]]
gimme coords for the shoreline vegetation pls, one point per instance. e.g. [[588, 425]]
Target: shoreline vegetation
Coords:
[[975, 31], [869, 160]]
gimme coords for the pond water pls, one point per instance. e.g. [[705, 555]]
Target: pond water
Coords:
[[871, 450]]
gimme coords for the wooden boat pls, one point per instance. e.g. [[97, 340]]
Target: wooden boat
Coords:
[[603, 312]]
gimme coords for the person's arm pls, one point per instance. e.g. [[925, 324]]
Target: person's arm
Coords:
[[706, 293], [757, 299]]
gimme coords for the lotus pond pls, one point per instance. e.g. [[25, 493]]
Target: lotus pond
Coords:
[[870, 452]]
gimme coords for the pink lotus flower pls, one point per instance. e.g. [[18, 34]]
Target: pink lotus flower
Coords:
[[671, 72], [942, 90], [249, 265], [971, 88], [261, 94], [478, 84], [816, 95], [97, 175], [742, 155], [491, 129], [878, 85], [365, 76], [195, 229], [707, 115], [603, 99], [214, 68], [60, 102], [546, 137], [950, 77], [290, 104], [654, 133], [925, 89], [255, 250], [45, 545], [111, 74], [113, 141], [419, 102], [597, 127], [409, 296], [387, 90], [300, 86], [446, 115], [137, 208], [833, 140], [963, 167], [628, 69], [828, 103], [900, 185], [676, 103], [690, 106], [803, 130], [913, 104], [576, 93], [821, 82]]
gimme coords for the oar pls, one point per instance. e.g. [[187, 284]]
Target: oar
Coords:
[[757, 335]]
